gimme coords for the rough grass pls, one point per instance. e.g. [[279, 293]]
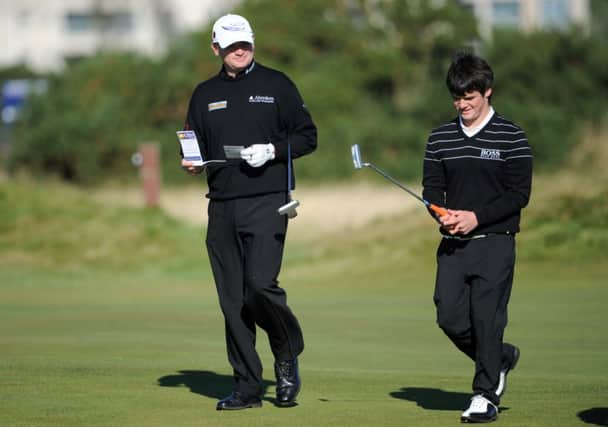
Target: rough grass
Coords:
[[567, 220], [49, 225]]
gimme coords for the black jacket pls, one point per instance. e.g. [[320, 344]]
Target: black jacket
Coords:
[[259, 106]]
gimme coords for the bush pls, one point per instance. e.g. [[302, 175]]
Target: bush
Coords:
[[371, 73], [552, 85]]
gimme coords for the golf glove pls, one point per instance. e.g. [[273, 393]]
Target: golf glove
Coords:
[[258, 154]]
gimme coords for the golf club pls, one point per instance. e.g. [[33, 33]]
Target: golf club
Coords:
[[358, 163], [289, 208]]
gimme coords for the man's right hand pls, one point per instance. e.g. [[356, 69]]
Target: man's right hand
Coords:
[[190, 168], [459, 221]]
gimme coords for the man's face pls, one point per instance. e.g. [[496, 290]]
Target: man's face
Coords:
[[236, 57], [473, 106]]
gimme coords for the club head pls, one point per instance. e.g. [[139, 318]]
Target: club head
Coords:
[[289, 209], [356, 153]]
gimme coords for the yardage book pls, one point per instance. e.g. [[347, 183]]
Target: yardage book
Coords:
[[191, 150]]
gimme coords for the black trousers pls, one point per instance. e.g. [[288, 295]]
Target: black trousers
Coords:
[[245, 240], [472, 290]]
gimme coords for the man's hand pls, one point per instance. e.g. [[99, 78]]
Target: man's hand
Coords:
[[258, 154], [459, 222], [191, 169]]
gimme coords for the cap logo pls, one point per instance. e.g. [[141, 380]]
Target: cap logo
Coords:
[[234, 27]]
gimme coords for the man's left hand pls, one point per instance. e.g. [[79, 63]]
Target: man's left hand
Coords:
[[258, 154]]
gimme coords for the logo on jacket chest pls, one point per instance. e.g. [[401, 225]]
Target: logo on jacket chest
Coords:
[[217, 105], [487, 153], [261, 99]]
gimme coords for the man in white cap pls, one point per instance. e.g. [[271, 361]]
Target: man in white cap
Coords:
[[260, 109]]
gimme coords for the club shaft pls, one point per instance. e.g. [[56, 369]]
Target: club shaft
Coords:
[[394, 181]]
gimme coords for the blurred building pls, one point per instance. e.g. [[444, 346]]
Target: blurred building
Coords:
[[45, 35], [529, 15]]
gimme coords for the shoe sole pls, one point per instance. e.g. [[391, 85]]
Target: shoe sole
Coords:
[[290, 404], [477, 420], [251, 405], [513, 365]]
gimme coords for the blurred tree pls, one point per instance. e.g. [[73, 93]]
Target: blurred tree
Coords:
[[599, 19], [363, 67], [371, 71], [16, 72], [552, 87], [367, 69], [83, 126]]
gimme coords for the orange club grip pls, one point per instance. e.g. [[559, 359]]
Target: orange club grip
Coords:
[[438, 210]]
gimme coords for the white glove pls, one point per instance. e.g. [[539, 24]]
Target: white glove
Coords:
[[258, 154]]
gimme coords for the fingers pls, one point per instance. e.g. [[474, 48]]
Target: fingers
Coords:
[[257, 154], [449, 220], [190, 168], [459, 222], [247, 152], [250, 155], [452, 222]]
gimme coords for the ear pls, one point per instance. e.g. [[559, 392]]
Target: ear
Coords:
[[215, 48], [488, 93]]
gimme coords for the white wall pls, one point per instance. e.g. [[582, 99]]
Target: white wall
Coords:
[[530, 14], [192, 14], [35, 32]]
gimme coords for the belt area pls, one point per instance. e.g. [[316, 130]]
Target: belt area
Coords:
[[475, 236]]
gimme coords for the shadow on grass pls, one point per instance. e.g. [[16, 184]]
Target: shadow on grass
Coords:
[[206, 383], [597, 416], [435, 399]]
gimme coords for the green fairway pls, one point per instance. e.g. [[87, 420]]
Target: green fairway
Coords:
[[99, 330]]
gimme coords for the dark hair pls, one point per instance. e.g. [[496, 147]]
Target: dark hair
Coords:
[[468, 73]]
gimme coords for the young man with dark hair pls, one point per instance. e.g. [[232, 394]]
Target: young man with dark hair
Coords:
[[479, 166], [259, 109]]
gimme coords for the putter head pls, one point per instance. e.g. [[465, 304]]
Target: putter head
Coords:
[[289, 209], [356, 153]]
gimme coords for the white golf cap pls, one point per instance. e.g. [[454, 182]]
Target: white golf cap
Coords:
[[230, 29]]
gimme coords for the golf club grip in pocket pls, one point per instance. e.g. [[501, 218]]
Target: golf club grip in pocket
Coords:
[[438, 210]]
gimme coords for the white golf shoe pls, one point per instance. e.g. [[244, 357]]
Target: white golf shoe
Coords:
[[481, 410]]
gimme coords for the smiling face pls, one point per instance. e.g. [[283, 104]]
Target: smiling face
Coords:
[[473, 107], [236, 57]]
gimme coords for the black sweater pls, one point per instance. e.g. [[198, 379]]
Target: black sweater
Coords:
[[489, 173], [259, 106]]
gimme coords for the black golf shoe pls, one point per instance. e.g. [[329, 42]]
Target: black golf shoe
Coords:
[[481, 410], [288, 382], [507, 366], [238, 401]]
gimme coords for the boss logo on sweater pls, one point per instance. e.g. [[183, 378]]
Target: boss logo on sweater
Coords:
[[490, 154], [262, 99], [217, 105]]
